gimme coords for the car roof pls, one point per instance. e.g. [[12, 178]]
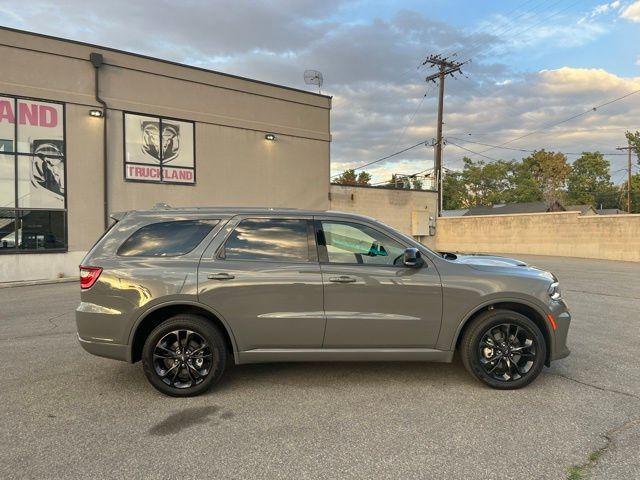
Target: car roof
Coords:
[[162, 210]]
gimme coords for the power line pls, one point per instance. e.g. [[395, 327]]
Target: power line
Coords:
[[410, 175], [401, 137], [524, 150], [423, 142], [474, 152], [501, 30], [572, 117], [544, 20]]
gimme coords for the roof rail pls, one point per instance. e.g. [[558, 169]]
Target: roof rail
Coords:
[[161, 206]]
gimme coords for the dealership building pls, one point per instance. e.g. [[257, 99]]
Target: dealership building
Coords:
[[87, 130]]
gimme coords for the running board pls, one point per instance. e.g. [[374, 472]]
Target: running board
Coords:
[[267, 355]]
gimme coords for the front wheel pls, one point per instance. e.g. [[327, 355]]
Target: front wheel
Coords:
[[503, 349], [184, 356]]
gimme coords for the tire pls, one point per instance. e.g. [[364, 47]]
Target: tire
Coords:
[[190, 368], [506, 367]]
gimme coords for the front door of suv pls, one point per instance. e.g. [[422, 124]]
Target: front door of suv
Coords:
[[265, 280], [371, 300]]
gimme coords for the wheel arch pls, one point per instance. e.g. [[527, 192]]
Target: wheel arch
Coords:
[[531, 311], [153, 317]]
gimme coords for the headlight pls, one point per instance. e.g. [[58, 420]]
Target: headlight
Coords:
[[554, 291]]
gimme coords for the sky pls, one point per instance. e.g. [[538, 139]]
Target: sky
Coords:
[[533, 63]]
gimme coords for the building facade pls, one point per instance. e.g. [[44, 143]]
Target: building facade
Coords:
[[413, 212], [87, 130]]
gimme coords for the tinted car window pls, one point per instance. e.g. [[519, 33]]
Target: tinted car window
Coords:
[[279, 240], [355, 243], [166, 239]]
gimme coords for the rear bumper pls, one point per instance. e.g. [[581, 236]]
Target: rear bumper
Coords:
[[105, 349], [101, 330]]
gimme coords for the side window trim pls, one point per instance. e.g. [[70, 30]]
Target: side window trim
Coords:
[[312, 257], [323, 254]]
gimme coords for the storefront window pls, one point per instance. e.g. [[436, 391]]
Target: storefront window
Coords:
[[159, 150], [32, 175]]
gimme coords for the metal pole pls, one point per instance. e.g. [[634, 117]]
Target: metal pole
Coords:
[[97, 62], [629, 179], [438, 162]]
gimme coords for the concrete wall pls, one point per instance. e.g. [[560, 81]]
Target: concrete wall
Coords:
[[235, 165], [397, 208], [612, 237]]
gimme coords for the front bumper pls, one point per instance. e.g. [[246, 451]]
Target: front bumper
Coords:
[[562, 319]]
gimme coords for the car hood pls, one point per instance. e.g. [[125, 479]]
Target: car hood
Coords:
[[489, 263]]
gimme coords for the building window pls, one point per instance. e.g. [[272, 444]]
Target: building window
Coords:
[[159, 150], [32, 175]]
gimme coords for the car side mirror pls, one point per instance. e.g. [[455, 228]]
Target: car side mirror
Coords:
[[412, 257]]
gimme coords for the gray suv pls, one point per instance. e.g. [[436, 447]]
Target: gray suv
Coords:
[[186, 290]]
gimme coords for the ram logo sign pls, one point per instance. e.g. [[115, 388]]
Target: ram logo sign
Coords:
[[159, 150]]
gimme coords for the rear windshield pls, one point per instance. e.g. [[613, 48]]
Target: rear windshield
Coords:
[[166, 239]]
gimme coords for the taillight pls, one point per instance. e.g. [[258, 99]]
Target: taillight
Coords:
[[88, 276]]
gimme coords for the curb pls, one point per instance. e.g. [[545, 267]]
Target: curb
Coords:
[[30, 283]]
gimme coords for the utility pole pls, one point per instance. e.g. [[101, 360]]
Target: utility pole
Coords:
[[445, 67], [628, 148]]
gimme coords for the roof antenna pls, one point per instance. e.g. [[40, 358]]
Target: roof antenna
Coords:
[[314, 77]]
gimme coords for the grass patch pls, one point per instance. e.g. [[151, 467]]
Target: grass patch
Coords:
[[580, 472], [595, 456], [576, 473]]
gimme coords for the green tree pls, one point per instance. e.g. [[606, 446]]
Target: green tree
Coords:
[[635, 194], [524, 188], [589, 180], [416, 183], [349, 177], [634, 140], [454, 191], [486, 183], [550, 171], [363, 178]]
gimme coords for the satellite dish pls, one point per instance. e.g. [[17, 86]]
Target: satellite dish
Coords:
[[313, 77]]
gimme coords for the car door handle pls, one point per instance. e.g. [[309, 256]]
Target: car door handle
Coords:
[[220, 276], [342, 279]]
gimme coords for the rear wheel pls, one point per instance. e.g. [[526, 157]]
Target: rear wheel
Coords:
[[503, 349], [184, 356]]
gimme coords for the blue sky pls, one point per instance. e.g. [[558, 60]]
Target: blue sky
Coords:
[[534, 63]]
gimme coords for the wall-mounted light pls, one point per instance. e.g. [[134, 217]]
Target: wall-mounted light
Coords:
[[270, 136], [96, 113]]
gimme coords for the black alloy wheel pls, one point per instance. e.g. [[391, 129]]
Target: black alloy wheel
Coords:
[[504, 349], [507, 352], [182, 359], [184, 355]]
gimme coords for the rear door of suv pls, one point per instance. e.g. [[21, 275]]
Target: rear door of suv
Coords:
[[261, 274]]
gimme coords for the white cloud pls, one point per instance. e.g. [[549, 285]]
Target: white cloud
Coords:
[[370, 69], [632, 12]]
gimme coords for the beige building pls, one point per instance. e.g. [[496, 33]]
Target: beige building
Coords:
[[412, 212], [174, 134]]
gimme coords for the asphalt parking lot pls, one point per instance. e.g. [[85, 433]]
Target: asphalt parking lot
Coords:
[[67, 414]]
